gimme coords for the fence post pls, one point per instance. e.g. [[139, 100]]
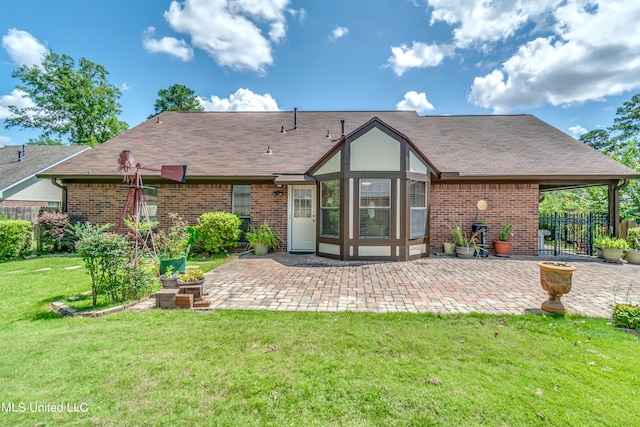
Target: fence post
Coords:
[[556, 232]]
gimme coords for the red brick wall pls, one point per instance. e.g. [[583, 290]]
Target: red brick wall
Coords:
[[102, 203], [453, 204]]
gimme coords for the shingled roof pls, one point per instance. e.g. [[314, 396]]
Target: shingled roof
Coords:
[[36, 159], [233, 145]]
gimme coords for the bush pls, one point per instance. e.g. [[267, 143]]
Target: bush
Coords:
[[53, 232], [633, 237], [16, 238], [626, 316], [219, 231]]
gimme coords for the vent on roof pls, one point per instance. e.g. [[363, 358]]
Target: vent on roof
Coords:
[[269, 150], [21, 154], [295, 118], [342, 123], [282, 129]]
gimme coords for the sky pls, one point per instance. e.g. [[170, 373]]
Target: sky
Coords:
[[571, 63]]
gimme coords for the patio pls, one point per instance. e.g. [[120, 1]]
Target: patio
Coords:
[[436, 284]]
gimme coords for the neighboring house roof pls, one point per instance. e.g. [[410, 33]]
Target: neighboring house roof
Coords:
[[232, 145], [36, 159]]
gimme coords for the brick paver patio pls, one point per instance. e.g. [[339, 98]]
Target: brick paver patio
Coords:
[[435, 284]]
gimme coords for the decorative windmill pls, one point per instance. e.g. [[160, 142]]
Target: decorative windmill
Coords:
[[135, 208]]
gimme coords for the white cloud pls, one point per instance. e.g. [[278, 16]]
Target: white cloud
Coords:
[[415, 101], [232, 31], [4, 139], [241, 100], [480, 21], [170, 45], [337, 33], [125, 86], [420, 55], [17, 98], [23, 48], [579, 63], [577, 131], [562, 51]]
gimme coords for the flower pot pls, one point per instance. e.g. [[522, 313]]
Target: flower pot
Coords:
[[169, 282], [612, 254], [501, 247], [465, 251], [633, 256], [260, 249], [449, 248], [555, 278], [179, 265]]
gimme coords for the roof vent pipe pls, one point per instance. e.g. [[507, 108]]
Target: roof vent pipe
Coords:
[[282, 130], [19, 155], [342, 123], [295, 118]]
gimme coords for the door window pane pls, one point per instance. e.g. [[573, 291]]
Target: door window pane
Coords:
[[302, 203]]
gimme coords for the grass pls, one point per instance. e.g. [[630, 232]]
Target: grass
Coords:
[[282, 368]]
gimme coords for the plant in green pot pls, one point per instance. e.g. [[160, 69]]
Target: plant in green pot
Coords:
[[633, 240], [263, 238], [612, 248], [174, 243], [502, 246]]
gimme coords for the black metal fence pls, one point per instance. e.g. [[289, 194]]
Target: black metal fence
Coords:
[[571, 234]]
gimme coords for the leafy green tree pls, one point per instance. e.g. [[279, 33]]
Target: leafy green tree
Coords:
[[44, 140], [600, 139], [75, 102], [627, 120], [176, 98]]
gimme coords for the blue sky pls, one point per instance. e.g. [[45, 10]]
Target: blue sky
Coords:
[[568, 62]]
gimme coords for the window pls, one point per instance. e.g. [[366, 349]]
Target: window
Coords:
[[330, 208], [375, 208], [241, 206], [418, 214], [151, 199]]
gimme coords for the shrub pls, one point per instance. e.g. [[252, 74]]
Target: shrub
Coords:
[[219, 231], [633, 237], [16, 238], [626, 316], [53, 232]]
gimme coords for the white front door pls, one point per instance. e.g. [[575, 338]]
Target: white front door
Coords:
[[303, 218]]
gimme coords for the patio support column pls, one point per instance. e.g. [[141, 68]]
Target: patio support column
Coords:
[[614, 206]]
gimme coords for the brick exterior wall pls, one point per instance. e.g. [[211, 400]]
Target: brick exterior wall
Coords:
[[453, 204], [102, 203]]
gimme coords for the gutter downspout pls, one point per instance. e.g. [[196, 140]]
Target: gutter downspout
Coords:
[[63, 206], [614, 206]]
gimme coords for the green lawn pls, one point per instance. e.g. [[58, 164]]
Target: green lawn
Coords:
[[281, 368]]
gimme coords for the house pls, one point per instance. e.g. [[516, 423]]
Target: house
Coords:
[[374, 185], [19, 165]]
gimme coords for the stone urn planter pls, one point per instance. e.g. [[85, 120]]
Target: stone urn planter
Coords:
[[555, 278], [633, 256]]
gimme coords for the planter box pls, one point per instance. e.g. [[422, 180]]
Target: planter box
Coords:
[[195, 289], [179, 265]]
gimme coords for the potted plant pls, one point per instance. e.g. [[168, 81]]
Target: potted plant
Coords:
[[633, 240], [612, 248], [502, 246], [174, 243], [193, 276], [449, 247], [466, 245], [169, 278], [262, 239]]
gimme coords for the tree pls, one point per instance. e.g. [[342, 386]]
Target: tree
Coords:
[[627, 120], [176, 98], [78, 103], [44, 140], [600, 139]]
